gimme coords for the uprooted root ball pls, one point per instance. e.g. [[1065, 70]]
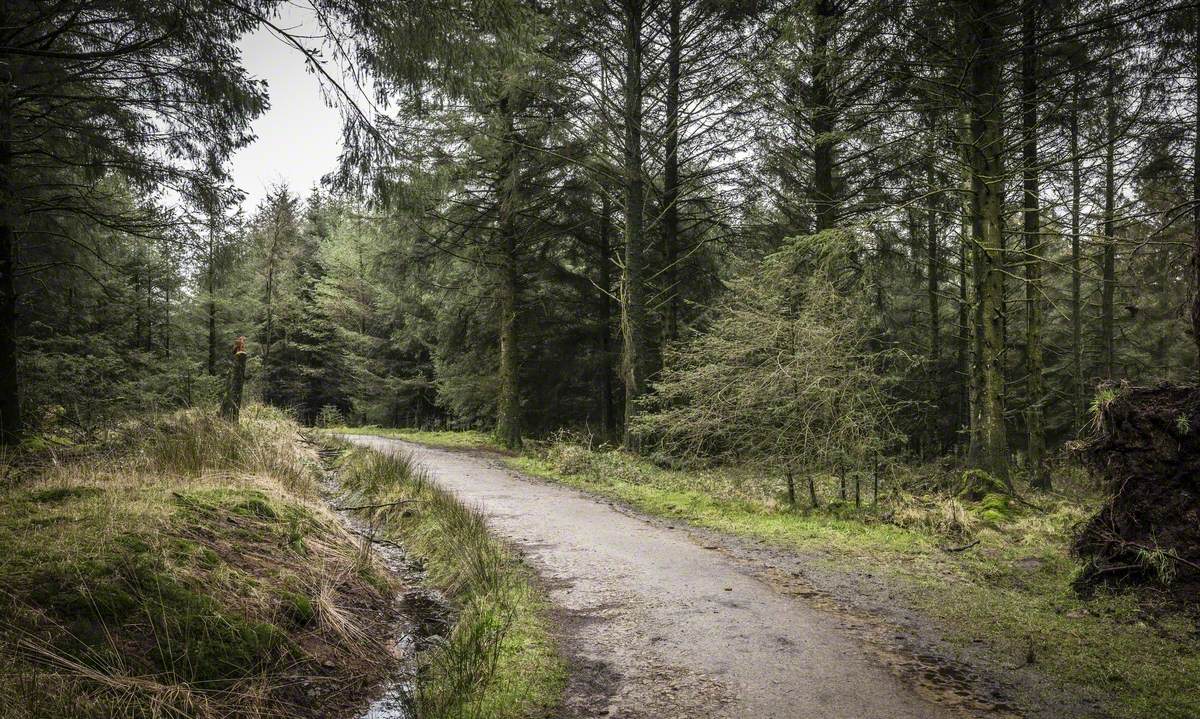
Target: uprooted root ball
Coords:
[[1146, 447]]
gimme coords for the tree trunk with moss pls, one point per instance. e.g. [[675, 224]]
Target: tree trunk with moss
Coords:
[[508, 416], [10, 406], [986, 167], [1035, 382], [633, 311], [1109, 256], [231, 405]]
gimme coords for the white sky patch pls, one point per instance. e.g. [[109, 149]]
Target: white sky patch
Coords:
[[299, 138]]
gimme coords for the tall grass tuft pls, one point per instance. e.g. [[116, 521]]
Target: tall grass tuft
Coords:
[[195, 441]]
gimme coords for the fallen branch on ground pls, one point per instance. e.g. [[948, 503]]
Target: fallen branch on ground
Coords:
[[376, 506], [376, 540], [963, 548]]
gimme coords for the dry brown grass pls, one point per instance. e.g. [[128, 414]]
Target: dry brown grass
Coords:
[[186, 568]]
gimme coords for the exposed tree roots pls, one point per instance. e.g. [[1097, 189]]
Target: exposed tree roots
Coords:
[[1146, 447]]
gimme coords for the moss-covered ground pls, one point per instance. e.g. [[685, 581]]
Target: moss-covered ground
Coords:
[[185, 570]]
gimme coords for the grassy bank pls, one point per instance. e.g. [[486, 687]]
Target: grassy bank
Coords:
[[498, 661], [1011, 592], [184, 569]]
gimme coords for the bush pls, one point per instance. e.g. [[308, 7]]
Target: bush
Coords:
[[782, 377]]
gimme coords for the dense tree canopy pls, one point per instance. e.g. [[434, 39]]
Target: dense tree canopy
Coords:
[[553, 215]]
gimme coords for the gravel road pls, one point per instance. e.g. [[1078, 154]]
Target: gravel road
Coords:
[[657, 625]]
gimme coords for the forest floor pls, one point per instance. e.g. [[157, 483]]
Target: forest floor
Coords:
[[185, 566], [676, 591]]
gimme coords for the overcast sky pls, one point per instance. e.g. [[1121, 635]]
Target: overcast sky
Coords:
[[299, 137]]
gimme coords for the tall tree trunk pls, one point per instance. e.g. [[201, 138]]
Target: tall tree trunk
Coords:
[[1196, 184], [964, 332], [608, 421], [1036, 440], [166, 328], [670, 231], [987, 184], [1109, 261], [508, 419], [932, 258], [10, 404], [269, 329], [823, 117], [211, 289], [633, 312], [149, 309], [972, 320], [1080, 394], [138, 324]]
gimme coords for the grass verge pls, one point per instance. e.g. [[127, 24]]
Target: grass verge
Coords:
[[499, 660], [1011, 592], [450, 439], [185, 570]]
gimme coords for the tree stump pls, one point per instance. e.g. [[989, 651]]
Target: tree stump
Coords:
[[231, 406]]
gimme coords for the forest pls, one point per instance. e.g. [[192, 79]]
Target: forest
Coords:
[[806, 238], [564, 221]]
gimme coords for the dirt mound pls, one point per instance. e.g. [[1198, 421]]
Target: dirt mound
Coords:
[[1147, 448]]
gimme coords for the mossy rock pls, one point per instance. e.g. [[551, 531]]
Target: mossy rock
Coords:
[[995, 508], [200, 643], [976, 484]]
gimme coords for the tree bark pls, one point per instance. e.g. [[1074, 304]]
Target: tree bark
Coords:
[[987, 196], [964, 334], [671, 176], [633, 315], [1109, 261], [933, 281], [608, 420], [508, 418], [1196, 184], [10, 404], [967, 325], [823, 117], [231, 405], [1076, 267], [210, 287], [1036, 437]]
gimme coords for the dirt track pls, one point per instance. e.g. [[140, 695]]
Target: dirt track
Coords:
[[658, 626]]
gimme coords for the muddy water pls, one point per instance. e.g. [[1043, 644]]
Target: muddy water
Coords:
[[422, 614]]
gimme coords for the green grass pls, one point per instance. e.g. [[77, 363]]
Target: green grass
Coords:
[[182, 573], [1012, 592], [499, 660], [450, 439]]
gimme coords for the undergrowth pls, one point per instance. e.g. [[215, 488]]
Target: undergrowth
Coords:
[[180, 571], [498, 661]]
